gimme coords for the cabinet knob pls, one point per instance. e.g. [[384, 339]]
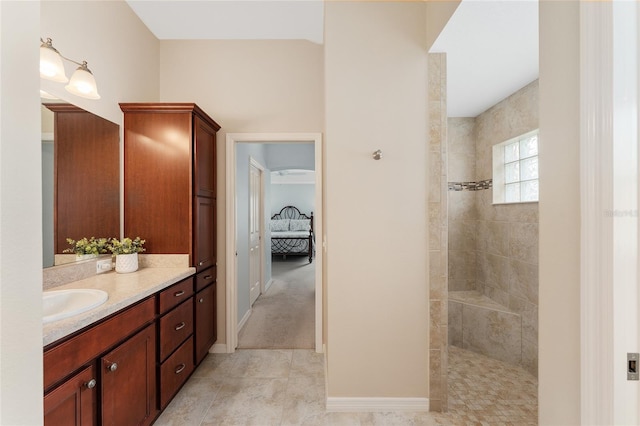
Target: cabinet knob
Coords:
[[112, 367], [178, 293], [201, 263], [201, 300], [180, 326], [180, 368], [91, 384]]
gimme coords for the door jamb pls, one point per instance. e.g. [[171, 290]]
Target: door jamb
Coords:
[[231, 295]]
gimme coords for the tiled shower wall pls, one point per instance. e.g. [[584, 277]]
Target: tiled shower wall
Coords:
[[463, 213], [437, 193], [503, 238]]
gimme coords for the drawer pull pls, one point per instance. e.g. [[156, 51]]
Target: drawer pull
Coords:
[[178, 293], [180, 326], [201, 300], [201, 263], [208, 277], [180, 368], [91, 384], [113, 367]]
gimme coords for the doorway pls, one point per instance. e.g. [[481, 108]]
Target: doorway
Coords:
[[231, 295]]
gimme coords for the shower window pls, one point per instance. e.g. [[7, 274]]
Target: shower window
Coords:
[[515, 170]]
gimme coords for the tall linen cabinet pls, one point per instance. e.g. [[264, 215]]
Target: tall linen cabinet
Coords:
[[170, 195]]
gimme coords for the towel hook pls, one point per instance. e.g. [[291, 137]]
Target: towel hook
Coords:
[[377, 154]]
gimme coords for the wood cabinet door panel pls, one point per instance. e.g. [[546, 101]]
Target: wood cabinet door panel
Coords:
[[175, 327], [129, 388], [204, 244], [205, 322], [206, 278], [175, 295], [157, 179], [175, 371], [74, 402], [204, 158]]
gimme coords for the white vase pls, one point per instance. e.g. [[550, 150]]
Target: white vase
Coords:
[[126, 263]]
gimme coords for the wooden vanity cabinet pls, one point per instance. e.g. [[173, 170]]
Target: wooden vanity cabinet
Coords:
[[170, 179], [205, 313], [105, 372]]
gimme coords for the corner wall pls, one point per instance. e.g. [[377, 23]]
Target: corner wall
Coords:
[[377, 295], [438, 234], [559, 250], [21, 220]]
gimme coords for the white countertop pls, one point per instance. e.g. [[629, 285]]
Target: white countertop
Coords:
[[123, 290]]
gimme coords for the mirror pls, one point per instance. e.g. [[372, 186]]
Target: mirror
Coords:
[[80, 178]]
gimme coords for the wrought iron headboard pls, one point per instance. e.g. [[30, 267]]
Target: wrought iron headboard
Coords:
[[291, 212]]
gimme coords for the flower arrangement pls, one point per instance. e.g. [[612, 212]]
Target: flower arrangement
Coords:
[[86, 245], [126, 246]]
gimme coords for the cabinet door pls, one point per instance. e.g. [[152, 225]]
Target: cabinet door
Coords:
[[204, 158], [74, 402], [204, 244], [205, 319], [129, 381]]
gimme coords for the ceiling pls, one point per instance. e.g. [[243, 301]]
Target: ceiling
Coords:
[[491, 46], [492, 51], [232, 19]]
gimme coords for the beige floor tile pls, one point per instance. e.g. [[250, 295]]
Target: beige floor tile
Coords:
[[272, 363], [286, 387], [248, 401], [191, 404]]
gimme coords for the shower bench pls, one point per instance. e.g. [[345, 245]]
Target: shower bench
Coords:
[[479, 324]]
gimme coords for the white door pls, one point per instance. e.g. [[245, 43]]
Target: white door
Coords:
[[255, 228]]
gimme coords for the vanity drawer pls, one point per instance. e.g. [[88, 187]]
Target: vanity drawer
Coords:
[[175, 327], [175, 294], [63, 359], [175, 371], [205, 278]]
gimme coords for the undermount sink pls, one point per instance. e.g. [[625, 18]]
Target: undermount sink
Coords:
[[59, 304]]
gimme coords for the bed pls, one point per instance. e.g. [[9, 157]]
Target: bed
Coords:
[[292, 233]]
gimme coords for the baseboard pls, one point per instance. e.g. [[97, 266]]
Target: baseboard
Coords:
[[218, 348], [377, 404], [244, 320], [266, 287]]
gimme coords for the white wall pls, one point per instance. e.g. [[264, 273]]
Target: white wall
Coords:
[[246, 86], [301, 196], [20, 218], [378, 316], [559, 207]]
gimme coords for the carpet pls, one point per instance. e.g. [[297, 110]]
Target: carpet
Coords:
[[284, 316]]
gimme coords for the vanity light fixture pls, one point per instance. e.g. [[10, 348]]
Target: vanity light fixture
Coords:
[[52, 68]]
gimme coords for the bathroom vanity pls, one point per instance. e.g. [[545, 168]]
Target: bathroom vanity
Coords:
[[123, 362]]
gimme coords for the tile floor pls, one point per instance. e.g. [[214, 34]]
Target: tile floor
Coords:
[[286, 387]]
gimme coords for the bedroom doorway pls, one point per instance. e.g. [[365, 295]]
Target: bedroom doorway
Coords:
[[237, 267]]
